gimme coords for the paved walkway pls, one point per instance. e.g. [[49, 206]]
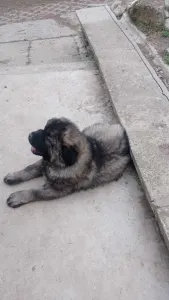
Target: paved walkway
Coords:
[[61, 10]]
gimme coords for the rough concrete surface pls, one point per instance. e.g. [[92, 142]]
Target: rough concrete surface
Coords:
[[14, 53], [137, 98], [54, 51], [90, 245], [32, 30], [32, 48]]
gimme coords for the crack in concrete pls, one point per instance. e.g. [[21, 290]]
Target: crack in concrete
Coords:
[[28, 54], [39, 39]]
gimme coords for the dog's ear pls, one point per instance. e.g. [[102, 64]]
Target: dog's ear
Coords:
[[69, 155], [70, 137]]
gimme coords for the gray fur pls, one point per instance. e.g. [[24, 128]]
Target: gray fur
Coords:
[[102, 156]]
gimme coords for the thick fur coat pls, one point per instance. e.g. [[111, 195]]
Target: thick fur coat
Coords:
[[72, 160]]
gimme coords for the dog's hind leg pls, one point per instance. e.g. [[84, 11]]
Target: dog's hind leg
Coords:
[[44, 193], [30, 172]]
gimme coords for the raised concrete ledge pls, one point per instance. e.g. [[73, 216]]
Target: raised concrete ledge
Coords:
[[140, 100]]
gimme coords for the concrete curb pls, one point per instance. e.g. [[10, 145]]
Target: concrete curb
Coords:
[[140, 100], [156, 61]]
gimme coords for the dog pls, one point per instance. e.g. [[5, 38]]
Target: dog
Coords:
[[71, 160]]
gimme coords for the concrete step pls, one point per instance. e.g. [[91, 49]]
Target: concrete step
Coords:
[[43, 51], [140, 100]]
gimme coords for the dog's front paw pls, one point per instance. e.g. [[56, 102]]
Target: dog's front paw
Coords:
[[16, 199], [11, 178]]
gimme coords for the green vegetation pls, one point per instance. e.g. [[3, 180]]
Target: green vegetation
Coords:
[[149, 28], [165, 33], [166, 57]]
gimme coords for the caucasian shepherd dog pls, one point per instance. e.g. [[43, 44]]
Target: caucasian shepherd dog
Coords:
[[72, 160]]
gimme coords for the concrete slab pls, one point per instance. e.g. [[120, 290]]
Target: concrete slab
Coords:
[[54, 51], [91, 245], [33, 30], [14, 54], [49, 51], [151, 161], [90, 19], [138, 96]]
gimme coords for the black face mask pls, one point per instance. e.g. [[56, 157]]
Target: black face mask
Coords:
[[37, 141]]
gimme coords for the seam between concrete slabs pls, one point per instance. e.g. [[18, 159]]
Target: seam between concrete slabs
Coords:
[[39, 39], [158, 82]]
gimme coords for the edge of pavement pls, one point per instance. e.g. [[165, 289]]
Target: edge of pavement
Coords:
[[140, 100]]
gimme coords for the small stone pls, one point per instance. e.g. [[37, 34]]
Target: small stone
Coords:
[[158, 69], [167, 51], [166, 24], [167, 5], [118, 7], [33, 268], [166, 14]]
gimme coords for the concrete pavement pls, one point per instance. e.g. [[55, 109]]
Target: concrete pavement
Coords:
[[98, 244], [140, 100]]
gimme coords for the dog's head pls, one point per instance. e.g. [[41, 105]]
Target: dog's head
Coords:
[[56, 142]]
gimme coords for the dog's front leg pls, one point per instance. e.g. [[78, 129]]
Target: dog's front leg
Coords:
[[30, 172], [44, 193]]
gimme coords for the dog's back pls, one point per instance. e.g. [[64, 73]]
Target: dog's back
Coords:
[[113, 148], [112, 137]]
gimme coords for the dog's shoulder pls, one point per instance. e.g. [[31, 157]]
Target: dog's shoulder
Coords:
[[105, 130]]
